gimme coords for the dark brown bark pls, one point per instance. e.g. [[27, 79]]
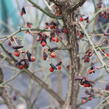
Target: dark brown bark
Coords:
[[71, 99]]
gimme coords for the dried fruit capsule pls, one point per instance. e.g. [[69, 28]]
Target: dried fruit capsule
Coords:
[[23, 11], [17, 47], [29, 25], [28, 55], [87, 59], [45, 55]]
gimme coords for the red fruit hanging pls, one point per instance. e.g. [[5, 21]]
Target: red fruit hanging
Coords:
[[16, 53], [87, 85], [53, 39], [87, 59], [51, 69], [56, 39], [53, 54], [33, 58], [83, 101], [29, 25], [59, 67], [90, 98], [43, 43], [45, 56], [23, 11], [107, 54], [21, 66], [81, 19]]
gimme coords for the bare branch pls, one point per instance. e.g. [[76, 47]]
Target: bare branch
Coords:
[[38, 80], [4, 94], [42, 10]]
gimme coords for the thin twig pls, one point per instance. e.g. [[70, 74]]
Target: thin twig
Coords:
[[38, 80], [93, 47], [44, 11]]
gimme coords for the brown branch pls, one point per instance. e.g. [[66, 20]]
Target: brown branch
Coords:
[[38, 80], [7, 100], [44, 11]]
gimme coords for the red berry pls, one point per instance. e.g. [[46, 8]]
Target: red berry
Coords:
[[107, 54], [59, 67], [87, 59], [51, 69], [43, 43], [56, 39], [33, 58], [21, 67], [16, 53], [90, 98], [87, 85], [91, 71], [81, 19], [29, 25], [53, 54], [83, 101], [53, 39]]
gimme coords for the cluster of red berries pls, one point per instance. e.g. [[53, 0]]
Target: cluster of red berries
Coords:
[[51, 25], [85, 82], [23, 57], [90, 95], [87, 56], [26, 58], [49, 52], [53, 67], [42, 38], [54, 34], [103, 14]]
